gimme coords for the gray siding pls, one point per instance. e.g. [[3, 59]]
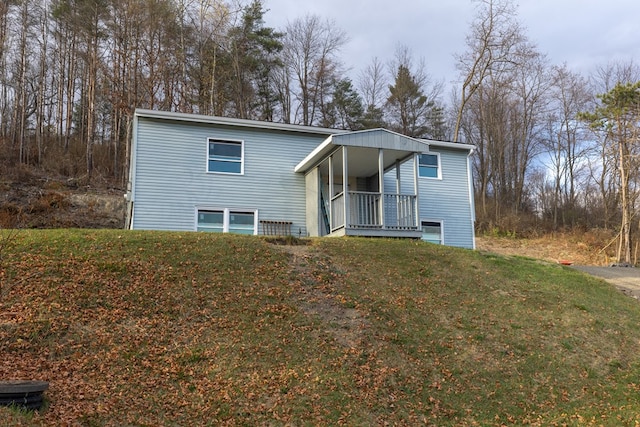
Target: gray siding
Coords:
[[447, 199], [171, 178]]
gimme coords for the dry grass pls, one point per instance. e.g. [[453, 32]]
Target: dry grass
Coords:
[[582, 248]]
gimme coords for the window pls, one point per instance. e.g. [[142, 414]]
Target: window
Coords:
[[225, 156], [211, 221], [432, 232], [241, 223], [227, 221], [429, 165]]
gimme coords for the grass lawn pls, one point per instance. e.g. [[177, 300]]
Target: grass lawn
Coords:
[[159, 328]]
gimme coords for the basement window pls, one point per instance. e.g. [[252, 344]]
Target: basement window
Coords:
[[432, 232], [227, 221]]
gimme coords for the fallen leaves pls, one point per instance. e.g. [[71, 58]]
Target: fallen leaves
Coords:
[[176, 328]]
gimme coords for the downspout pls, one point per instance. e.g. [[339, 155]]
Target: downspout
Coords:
[[471, 198], [331, 218], [131, 183], [416, 181], [345, 188], [381, 186], [399, 218]]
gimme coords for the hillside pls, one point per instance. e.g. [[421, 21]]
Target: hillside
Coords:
[[30, 198], [153, 328]]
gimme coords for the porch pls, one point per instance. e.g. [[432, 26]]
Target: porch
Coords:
[[364, 184], [374, 214]]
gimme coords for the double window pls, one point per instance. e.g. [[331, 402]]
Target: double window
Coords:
[[225, 156], [429, 165], [432, 232], [227, 221]]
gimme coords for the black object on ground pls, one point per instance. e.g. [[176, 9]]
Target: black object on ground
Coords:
[[22, 393]]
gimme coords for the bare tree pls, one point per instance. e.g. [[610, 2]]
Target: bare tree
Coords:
[[310, 49], [23, 69], [492, 46], [565, 141], [530, 94], [373, 85], [5, 113]]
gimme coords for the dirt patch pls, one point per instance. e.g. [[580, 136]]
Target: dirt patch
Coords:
[[579, 248], [41, 202], [318, 296]]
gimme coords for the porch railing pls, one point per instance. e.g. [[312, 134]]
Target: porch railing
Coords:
[[366, 211], [337, 211], [400, 212]]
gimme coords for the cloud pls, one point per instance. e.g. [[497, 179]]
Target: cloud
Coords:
[[581, 33]]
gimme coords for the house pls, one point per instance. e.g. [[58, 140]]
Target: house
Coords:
[[204, 173]]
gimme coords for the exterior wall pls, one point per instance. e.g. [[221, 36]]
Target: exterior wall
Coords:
[[171, 179], [446, 199]]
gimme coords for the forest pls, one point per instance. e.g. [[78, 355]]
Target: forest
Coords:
[[555, 149]]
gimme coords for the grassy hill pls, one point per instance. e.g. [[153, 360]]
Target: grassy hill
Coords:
[[156, 328]]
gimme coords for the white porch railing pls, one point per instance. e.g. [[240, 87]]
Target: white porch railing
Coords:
[[397, 212], [337, 211], [365, 210], [400, 212]]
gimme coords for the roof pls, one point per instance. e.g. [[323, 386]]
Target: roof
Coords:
[[227, 121], [345, 137], [372, 138]]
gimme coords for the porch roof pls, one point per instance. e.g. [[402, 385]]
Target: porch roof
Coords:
[[371, 138]]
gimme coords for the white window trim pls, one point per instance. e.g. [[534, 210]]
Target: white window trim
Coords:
[[226, 212], [433, 153], [212, 139], [439, 221]]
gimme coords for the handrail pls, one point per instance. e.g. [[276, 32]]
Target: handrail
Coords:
[[370, 210]]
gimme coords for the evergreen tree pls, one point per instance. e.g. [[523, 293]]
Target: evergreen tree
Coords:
[[618, 121], [346, 106], [254, 52], [410, 109]]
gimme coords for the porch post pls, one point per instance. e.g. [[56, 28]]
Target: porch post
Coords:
[[381, 185], [398, 184], [345, 188], [399, 208], [331, 225], [416, 181]]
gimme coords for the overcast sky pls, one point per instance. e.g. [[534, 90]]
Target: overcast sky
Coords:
[[581, 33]]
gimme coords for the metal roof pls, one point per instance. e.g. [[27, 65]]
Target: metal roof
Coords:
[[374, 137], [227, 121]]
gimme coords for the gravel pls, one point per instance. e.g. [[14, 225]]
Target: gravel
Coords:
[[627, 279]]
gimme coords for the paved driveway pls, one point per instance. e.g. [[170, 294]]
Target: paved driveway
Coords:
[[627, 279]]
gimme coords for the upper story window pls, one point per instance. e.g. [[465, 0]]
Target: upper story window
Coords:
[[429, 165], [225, 156]]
